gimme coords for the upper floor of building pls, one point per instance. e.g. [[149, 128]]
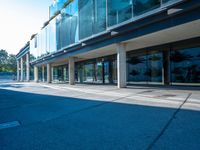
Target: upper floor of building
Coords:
[[73, 23]]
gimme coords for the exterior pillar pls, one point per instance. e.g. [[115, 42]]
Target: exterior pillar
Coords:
[[121, 65], [64, 74], [43, 78], [49, 73], [27, 67], [22, 70], [166, 67], [71, 71], [18, 78], [35, 73]]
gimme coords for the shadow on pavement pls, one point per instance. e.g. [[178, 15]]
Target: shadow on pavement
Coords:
[[55, 122]]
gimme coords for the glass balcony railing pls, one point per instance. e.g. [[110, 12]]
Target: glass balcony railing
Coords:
[[57, 6], [82, 19]]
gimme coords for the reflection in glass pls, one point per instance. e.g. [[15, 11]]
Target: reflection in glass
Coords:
[[52, 36], [99, 16], [85, 18], [154, 71], [55, 7], [88, 71], [185, 65], [119, 11], [142, 6], [100, 70], [137, 67], [67, 26], [145, 67], [60, 73]]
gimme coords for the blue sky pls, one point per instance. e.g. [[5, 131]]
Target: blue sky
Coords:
[[19, 20]]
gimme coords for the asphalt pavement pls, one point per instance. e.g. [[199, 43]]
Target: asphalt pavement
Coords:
[[39, 116]]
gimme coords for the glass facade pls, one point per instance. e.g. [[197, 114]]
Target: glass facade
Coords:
[[85, 18], [185, 65], [170, 64], [60, 74], [143, 6], [92, 17], [119, 11], [44, 42], [145, 67], [148, 66], [81, 19], [56, 6], [100, 70], [67, 26]]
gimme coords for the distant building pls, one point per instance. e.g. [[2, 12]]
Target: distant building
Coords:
[[116, 42]]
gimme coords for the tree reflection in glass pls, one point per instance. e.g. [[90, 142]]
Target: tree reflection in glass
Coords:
[[185, 65]]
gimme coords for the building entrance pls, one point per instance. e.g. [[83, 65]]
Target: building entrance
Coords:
[[97, 71]]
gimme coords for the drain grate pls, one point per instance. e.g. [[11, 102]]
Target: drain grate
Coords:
[[149, 91], [167, 95], [9, 125]]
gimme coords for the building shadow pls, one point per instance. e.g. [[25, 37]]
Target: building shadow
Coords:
[[57, 122]]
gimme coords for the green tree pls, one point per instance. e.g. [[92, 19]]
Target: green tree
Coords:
[[7, 62], [3, 60], [12, 63]]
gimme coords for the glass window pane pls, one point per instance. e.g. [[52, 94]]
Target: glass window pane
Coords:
[[119, 11], [67, 26], [99, 16], [85, 18], [58, 32], [155, 63], [88, 73], [52, 36], [185, 65], [137, 68], [60, 73], [143, 6], [145, 67], [74, 36]]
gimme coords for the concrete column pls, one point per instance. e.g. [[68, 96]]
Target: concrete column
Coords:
[[18, 74], [64, 74], [52, 70], [35, 73], [71, 71], [27, 67], [22, 70], [121, 65], [43, 70], [49, 73], [166, 67]]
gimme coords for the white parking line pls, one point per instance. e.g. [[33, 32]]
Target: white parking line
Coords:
[[9, 125]]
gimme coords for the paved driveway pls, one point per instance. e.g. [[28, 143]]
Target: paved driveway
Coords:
[[49, 116]]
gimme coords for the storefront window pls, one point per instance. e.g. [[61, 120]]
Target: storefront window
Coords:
[[98, 70], [155, 63], [145, 67], [60, 74], [137, 67], [185, 65]]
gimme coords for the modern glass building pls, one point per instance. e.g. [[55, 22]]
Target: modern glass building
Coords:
[[117, 42]]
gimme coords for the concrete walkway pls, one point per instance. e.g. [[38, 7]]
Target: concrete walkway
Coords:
[[58, 116]]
